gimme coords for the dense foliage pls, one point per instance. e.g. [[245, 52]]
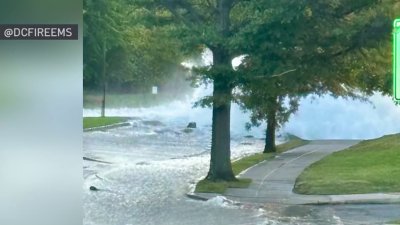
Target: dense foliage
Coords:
[[341, 48], [132, 53]]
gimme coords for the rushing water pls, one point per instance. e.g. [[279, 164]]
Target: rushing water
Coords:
[[150, 173], [153, 163], [150, 165]]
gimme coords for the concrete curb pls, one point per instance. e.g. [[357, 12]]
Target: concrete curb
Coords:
[[373, 198], [196, 197]]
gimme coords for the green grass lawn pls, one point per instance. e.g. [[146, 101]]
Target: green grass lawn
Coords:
[[394, 222], [92, 122], [368, 167], [207, 186], [244, 163]]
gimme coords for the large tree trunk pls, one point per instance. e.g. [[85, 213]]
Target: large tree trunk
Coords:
[[220, 163], [271, 127]]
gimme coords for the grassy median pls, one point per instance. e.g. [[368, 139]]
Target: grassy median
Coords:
[[244, 163], [368, 167], [92, 122]]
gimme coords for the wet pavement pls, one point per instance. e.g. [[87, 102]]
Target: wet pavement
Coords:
[[273, 180]]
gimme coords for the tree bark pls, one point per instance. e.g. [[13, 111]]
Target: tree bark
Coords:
[[103, 100], [271, 127], [270, 134], [103, 71], [220, 162]]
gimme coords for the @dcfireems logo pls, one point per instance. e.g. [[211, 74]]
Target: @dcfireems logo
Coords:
[[39, 32]]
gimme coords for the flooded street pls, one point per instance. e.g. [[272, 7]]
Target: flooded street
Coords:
[[144, 170], [150, 167]]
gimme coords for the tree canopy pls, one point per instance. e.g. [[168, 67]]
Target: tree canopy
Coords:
[[314, 48]]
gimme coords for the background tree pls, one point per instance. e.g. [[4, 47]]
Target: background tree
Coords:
[[264, 106], [103, 23], [121, 52], [320, 48]]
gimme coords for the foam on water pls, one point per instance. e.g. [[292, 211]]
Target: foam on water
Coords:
[[153, 167], [220, 201]]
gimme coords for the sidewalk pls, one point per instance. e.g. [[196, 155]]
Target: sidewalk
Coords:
[[274, 180]]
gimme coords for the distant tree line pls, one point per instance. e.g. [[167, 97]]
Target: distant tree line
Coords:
[[125, 51]]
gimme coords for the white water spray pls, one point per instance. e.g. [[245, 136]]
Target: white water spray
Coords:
[[330, 118], [317, 118]]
